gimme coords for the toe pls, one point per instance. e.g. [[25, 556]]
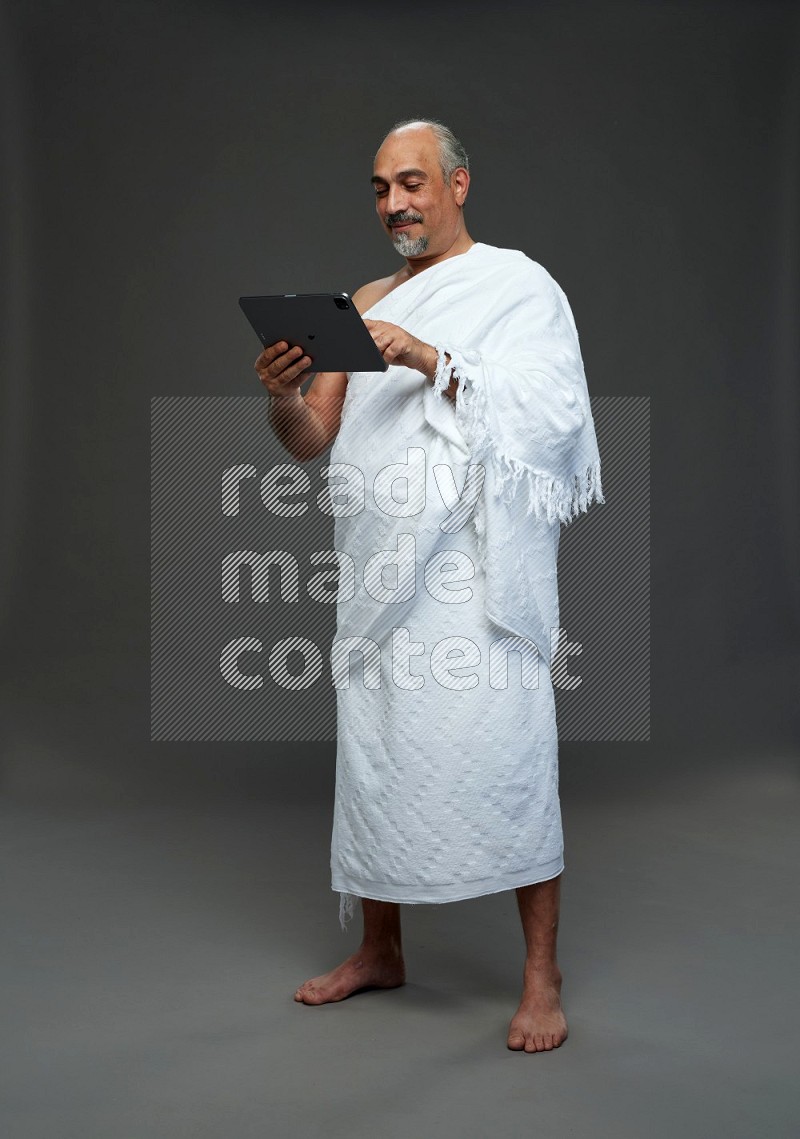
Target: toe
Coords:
[[516, 1038]]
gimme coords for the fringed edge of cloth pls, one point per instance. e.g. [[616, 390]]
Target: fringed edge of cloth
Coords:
[[548, 497], [347, 907]]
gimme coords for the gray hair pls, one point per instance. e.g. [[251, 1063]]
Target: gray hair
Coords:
[[451, 151]]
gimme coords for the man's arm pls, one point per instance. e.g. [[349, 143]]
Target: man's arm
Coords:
[[308, 424], [428, 370], [398, 346]]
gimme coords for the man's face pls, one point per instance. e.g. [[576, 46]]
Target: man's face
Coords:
[[409, 187]]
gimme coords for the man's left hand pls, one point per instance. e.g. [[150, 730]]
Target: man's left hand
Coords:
[[399, 347]]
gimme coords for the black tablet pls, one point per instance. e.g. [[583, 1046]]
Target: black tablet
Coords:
[[327, 326]]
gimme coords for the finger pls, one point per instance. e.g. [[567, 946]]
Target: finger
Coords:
[[289, 380], [276, 365], [298, 365], [385, 342], [271, 352], [303, 366]]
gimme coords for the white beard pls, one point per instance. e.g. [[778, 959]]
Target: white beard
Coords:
[[409, 246]]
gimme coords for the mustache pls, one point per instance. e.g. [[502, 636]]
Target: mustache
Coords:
[[397, 220]]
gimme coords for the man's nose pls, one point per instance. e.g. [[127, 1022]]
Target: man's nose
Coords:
[[396, 200]]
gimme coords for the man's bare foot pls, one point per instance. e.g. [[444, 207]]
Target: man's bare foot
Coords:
[[359, 971], [539, 1023]]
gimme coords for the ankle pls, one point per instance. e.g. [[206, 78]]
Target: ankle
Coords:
[[538, 970], [390, 947]]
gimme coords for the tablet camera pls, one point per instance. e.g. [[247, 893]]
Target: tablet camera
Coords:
[[341, 302]]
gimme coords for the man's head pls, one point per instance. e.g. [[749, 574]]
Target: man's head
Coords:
[[421, 175]]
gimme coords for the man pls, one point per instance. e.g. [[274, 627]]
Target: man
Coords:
[[447, 783]]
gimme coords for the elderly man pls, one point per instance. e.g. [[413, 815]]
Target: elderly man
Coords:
[[446, 780]]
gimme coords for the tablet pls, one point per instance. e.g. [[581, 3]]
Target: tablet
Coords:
[[327, 326]]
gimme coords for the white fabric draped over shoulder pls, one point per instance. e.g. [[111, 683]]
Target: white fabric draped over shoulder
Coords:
[[522, 413]]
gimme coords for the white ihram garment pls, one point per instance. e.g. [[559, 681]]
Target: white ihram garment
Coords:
[[448, 789]]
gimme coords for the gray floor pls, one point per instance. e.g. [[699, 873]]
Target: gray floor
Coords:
[[155, 931]]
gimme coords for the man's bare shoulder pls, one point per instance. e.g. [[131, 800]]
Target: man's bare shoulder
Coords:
[[369, 295]]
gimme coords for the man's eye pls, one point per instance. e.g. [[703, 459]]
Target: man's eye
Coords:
[[409, 186]]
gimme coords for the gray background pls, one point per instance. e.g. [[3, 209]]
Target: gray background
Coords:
[[164, 899]]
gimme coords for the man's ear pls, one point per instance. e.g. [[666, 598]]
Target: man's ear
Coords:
[[462, 185]]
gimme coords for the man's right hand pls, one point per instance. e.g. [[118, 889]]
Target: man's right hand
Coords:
[[282, 369], [307, 424]]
